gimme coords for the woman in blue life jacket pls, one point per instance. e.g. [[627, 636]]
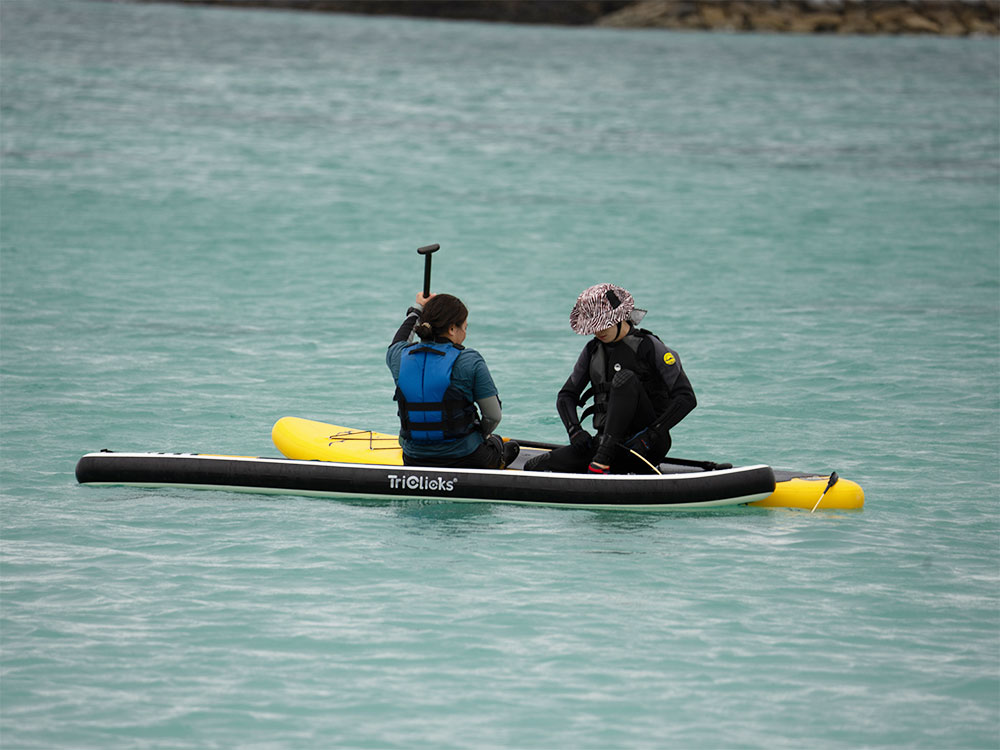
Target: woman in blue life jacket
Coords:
[[439, 384], [639, 388]]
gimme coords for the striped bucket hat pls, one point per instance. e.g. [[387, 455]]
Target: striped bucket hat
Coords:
[[602, 306]]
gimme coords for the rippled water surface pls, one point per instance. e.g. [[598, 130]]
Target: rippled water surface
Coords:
[[209, 220]]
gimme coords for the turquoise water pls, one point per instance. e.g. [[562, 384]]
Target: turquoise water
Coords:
[[209, 221]]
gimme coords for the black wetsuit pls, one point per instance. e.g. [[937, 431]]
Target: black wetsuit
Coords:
[[640, 393]]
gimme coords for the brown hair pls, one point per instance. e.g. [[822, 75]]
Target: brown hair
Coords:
[[441, 312]]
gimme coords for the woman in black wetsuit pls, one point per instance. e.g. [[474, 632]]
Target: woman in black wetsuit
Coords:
[[639, 389]]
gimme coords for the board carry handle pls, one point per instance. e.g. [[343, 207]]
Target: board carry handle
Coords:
[[427, 251]]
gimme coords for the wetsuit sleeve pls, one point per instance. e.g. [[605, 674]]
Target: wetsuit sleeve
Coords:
[[406, 329], [491, 414], [473, 376], [682, 399], [569, 395]]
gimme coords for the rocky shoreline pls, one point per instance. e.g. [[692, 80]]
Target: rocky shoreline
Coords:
[[942, 17], [888, 17]]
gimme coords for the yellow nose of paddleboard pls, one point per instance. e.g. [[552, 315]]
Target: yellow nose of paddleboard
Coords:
[[804, 492]]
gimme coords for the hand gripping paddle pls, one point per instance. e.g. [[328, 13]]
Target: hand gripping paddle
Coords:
[[427, 251]]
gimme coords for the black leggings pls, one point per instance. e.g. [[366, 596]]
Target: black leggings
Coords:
[[489, 455], [629, 412]]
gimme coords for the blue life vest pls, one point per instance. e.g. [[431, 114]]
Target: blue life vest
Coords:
[[431, 409]]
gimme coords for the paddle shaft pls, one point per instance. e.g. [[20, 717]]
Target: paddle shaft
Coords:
[[427, 251]]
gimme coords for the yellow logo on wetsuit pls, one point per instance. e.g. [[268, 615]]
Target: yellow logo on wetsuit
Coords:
[[669, 358]]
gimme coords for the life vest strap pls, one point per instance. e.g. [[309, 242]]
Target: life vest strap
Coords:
[[594, 390], [442, 426], [425, 349], [437, 405]]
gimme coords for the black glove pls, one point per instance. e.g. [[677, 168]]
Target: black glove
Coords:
[[645, 442], [579, 438]]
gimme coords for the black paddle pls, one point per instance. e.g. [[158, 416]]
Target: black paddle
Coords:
[[427, 251], [703, 465]]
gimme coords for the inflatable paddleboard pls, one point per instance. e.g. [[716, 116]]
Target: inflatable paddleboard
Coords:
[[324, 460]]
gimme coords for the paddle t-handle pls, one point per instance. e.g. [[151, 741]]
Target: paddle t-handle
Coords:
[[427, 251]]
